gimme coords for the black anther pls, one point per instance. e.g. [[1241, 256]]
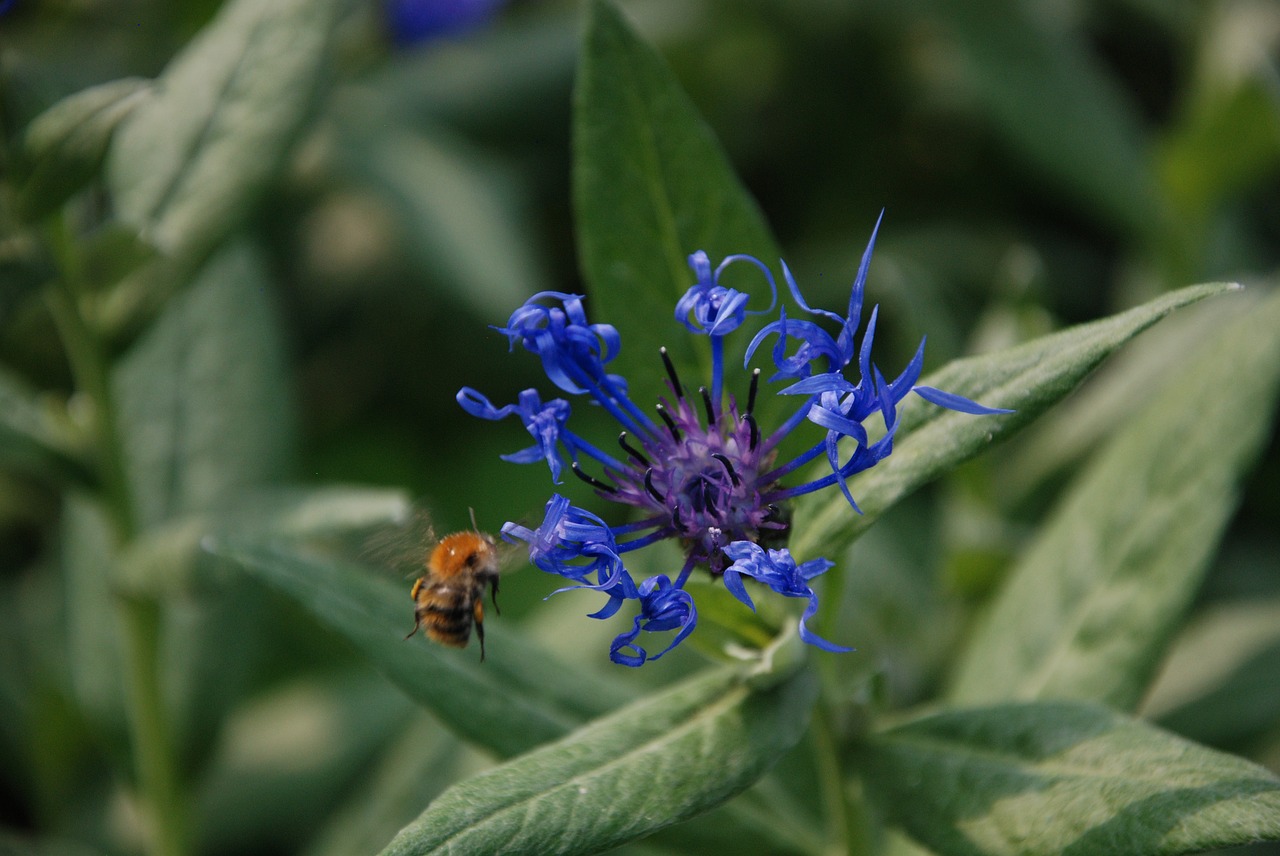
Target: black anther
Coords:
[[755, 429], [671, 423], [636, 454], [755, 386], [706, 403], [671, 373], [728, 465], [594, 482], [649, 487]]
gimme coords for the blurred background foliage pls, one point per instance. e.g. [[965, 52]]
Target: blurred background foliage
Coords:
[[1041, 163]]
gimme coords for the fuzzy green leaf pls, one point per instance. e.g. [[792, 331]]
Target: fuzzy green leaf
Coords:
[[660, 760], [1218, 684], [518, 698], [1028, 378], [188, 162], [66, 144], [167, 558], [31, 441], [1088, 610], [204, 396], [1064, 778], [651, 186]]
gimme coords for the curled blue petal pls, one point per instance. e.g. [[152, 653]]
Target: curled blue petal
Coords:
[[663, 606], [711, 309], [830, 415], [478, 405], [807, 635], [572, 543], [779, 571], [553, 325], [544, 422], [815, 343]]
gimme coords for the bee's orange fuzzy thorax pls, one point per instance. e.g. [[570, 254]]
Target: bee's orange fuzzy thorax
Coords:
[[454, 552]]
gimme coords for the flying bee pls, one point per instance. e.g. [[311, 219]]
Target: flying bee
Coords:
[[449, 597]]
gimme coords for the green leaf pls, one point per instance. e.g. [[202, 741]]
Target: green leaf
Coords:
[[1064, 777], [517, 699], [167, 558], [660, 760], [30, 440], [1218, 685], [1050, 452], [204, 400], [422, 761], [651, 186], [1088, 610], [288, 756], [1028, 378], [1056, 107], [65, 144], [189, 161], [95, 648]]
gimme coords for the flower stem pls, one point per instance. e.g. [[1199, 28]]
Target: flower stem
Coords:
[[140, 617]]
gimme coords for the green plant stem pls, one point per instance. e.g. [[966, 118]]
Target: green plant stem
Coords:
[[153, 748], [847, 830], [140, 618]]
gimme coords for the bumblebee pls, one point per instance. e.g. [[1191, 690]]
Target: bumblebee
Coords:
[[449, 598]]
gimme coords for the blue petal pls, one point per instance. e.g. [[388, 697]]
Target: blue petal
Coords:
[[951, 401], [733, 583], [812, 638], [825, 382]]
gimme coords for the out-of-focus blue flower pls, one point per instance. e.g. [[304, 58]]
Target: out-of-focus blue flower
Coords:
[[703, 472], [413, 22]]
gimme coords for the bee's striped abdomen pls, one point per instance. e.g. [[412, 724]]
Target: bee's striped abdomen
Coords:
[[446, 613]]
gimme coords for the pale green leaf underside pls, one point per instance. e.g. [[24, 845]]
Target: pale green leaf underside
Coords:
[[666, 758], [166, 559], [519, 698], [1028, 378], [188, 161], [1065, 778], [66, 144], [1096, 597], [203, 396]]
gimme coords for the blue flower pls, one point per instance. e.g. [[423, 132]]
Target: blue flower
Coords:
[[702, 472], [415, 21]]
